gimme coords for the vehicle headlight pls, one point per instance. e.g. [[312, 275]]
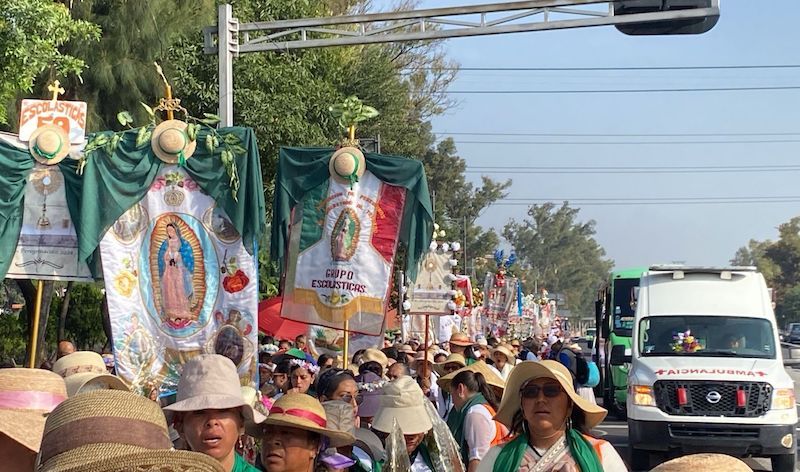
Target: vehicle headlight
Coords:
[[642, 395], [783, 399]]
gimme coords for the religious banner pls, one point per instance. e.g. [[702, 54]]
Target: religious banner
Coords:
[[340, 216], [178, 274], [433, 289], [500, 290]]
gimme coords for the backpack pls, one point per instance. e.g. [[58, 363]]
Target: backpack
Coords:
[[577, 365]]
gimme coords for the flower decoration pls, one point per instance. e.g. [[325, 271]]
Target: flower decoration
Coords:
[[371, 386], [124, 282], [305, 365], [685, 342]]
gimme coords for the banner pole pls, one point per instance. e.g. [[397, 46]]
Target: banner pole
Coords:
[[425, 374], [35, 325], [346, 346]]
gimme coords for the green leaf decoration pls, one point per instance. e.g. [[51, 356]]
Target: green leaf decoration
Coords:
[[231, 139], [351, 112], [114, 143], [191, 131], [210, 143], [124, 118], [101, 140], [368, 112], [212, 117], [143, 136], [149, 110], [238, 150]]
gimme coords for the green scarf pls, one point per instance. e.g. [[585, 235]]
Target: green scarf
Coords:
[[426, 455], [582, 452], [456, 419]]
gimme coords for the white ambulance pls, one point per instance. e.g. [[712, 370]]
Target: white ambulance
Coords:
[[706, 370]]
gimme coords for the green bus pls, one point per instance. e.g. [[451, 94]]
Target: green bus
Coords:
[[614, 314]]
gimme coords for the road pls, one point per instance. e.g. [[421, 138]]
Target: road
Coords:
[[616, 432]]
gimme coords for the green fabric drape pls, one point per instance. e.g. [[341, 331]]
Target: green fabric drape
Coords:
[[511, 454], [113, 184], [456, 420], [302, 169], [15, 166]]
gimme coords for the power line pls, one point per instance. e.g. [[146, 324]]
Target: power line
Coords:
[[596, 143], [658, 199], [649, 203], [623, 68], [614, 135], [659, 90], [630, 169]]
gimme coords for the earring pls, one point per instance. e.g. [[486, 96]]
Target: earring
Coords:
[[525, 428], [241, 445]]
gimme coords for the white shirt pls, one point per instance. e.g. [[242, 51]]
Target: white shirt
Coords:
[[611, 462], [479, 430], [419, 465]]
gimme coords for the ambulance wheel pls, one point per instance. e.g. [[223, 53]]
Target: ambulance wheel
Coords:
[[784, 463], [640, 460]]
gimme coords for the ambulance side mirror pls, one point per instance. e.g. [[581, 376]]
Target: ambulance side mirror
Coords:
[[619, 356]]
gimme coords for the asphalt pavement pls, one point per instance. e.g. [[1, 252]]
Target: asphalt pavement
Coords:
[[616, 432]]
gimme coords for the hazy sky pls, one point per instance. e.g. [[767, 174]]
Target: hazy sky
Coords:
[[637, 234]]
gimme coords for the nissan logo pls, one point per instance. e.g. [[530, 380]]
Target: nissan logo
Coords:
[[713, 397]]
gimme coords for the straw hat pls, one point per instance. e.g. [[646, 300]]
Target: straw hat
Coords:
[[704, 462], [347, 165], [460, 339], [403, 401], [451, 359], [528, 370], [84, 371], [375, 355], [407, 349], [49, 144], [210, 381], [111, 430], [478, 367], [506, 352], [300, 411], [422, 356], [170, 140], [26, 397]]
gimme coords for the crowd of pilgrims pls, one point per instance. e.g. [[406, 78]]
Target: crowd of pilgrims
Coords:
[[465, 405]]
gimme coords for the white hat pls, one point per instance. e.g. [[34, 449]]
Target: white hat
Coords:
[[84, 371], [402, 400]]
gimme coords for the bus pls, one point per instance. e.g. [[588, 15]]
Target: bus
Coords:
[[614, 315]]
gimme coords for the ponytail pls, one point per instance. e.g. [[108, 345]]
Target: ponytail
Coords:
[[476, 382]]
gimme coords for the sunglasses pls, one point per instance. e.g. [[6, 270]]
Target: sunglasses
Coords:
[[347, 398], [532, 391]]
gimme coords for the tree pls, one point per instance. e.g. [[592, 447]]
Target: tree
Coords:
[[32, 35], [787, 310], [559, 253], [755, 254]]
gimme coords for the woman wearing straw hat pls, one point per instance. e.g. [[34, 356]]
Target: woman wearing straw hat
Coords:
[[110, 431], [549, 423], [503, 360], [26, 398], [210, 410], [294, 433]]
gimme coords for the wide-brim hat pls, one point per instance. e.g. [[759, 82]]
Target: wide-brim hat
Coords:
[[86, 370], [112, 430], [529, 370], [478, 367], [422, 356], [704, 462], [407, 349], [300, 411], [347, 164], [49, 144], [170, 139], [460, 339], [210, 382], [376, 355], [506, 352], [27, 396], [403, 401], [451, 359]]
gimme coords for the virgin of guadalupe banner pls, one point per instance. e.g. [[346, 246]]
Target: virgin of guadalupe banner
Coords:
[[338, 237], [177, 251]]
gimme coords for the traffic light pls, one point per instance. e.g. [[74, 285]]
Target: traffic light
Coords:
[[673, 26]]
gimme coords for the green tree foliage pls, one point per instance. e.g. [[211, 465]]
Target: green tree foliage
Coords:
[[32, 36], [559, 253], [84, 321], [459, 203]]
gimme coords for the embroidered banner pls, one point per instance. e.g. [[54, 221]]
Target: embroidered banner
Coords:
[[179, 283], [342, 243]]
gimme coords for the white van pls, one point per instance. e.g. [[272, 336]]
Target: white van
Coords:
[[706, 370]]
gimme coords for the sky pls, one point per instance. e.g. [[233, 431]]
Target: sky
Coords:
[[691, 230]]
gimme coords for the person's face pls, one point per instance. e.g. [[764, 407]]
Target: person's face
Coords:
[[451, 367], [499, 359], [300, 342], [281, 381], [302, 379], [409, 358], [212, 432], [484, 350], [327, 365], [394, 372], [264, 374], [413, 441], [516, 347], [347, 391], [288, 449], [170, 232], [64, 348], [15, 457], [545, 412], [455, 349]]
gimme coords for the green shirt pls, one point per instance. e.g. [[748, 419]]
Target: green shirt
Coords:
[[241, 465]]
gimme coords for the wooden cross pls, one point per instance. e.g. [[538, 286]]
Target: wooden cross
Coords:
[[56, 89]]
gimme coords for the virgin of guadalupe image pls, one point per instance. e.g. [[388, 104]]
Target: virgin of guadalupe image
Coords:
[[344, 238], [175, 272]]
